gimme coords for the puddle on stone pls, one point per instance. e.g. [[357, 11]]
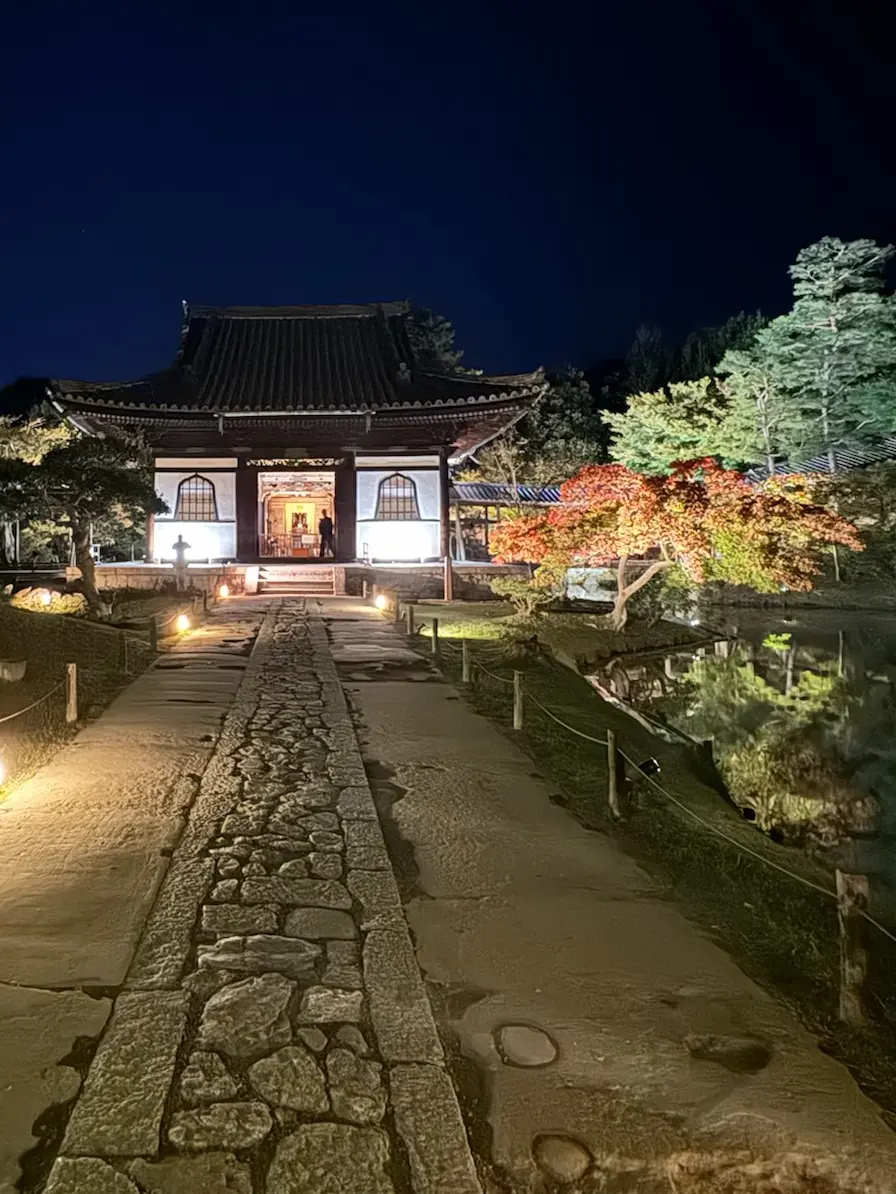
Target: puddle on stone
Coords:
[[525, 1046]]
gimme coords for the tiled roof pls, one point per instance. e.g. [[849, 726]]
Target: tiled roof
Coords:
[[285, 359], [493, 493], [845, 460]]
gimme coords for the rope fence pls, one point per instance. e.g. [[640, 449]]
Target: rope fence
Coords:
[[851, 895], [94, 660]]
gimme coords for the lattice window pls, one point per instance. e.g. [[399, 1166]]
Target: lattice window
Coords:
[[397, 499], [196, 500]]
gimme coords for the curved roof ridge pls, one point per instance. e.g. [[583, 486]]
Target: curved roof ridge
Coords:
[[311, 311]]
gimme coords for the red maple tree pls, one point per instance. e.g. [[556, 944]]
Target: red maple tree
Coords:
[[709, 521]]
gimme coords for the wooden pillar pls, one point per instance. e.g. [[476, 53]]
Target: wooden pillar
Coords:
[[345, 510], [150, 537], [853, 894], [246, 513], [444, 505], [461, 553]]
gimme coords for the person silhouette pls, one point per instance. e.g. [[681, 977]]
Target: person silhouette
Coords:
[[180, 549], [325, 530]]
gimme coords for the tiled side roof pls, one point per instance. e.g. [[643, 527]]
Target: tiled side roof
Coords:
[[491, 492], [266, 359], [845, 459]]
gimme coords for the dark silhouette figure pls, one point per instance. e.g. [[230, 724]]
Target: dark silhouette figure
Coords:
[[325, 530], [180, 549]]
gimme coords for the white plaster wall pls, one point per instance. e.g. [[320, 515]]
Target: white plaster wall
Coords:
[[393, 540], [224, 483], [396, 541], [207, 540], [195, 463]]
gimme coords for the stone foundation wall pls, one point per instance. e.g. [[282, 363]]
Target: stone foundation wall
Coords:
[[159, 577], [471, 583]]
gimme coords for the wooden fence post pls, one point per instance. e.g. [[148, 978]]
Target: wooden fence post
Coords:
[[612, 775], [409, 614], [71, 692], [465, 660], [364, 590], [517, 700], [397, 611], [435, 637], [154, 634], [205, 603], [853, 893]]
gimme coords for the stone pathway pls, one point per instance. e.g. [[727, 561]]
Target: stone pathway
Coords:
[[273, 1036]]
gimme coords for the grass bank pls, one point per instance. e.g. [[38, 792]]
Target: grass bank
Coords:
[[780, 931], [33, 721]]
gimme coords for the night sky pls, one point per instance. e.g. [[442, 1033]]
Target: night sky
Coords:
[[544, 178]]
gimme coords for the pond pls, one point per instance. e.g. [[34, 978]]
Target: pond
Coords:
[[799, 712]]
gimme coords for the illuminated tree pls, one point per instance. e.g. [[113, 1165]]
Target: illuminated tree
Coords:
[[28, 440], [707, 521], [679, 422], [757, 419], [834, 354], [82, 483]]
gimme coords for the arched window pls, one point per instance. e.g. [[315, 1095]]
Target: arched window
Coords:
[[397, 499], [196, 500]]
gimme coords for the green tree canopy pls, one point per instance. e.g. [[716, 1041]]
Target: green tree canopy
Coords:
[[26, 439], [29, 439], [755, 422], [85, 481], [679, 422]]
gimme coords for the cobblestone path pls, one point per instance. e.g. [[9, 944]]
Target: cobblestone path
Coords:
[[273, 1036]]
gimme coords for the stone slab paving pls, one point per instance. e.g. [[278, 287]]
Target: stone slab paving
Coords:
[[274, 1035]]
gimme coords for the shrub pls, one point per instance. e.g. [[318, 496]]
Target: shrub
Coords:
[[35, 599], [528, 597]]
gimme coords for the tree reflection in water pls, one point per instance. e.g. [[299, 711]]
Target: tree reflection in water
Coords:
[[801, 734]]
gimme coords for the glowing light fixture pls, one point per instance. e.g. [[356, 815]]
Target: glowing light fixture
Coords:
[[223, 591], [381, 602], [182, 623], [46, 597]]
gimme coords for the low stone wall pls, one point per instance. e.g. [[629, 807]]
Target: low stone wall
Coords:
[[158, 577], [427, 581], [415, 583]]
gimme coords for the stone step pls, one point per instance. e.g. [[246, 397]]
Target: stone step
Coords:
[[297, 588], [293, 573]]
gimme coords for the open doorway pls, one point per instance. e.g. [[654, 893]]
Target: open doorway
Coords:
[[290, 507]]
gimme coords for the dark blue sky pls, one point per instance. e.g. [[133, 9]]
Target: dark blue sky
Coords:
[[546, 176]]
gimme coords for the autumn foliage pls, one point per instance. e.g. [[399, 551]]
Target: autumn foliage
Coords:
[[710, 522]]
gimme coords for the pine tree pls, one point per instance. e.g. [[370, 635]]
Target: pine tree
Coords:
[[702, 351], [647, 364], [834, 354], [753, 428], [432, 338]]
